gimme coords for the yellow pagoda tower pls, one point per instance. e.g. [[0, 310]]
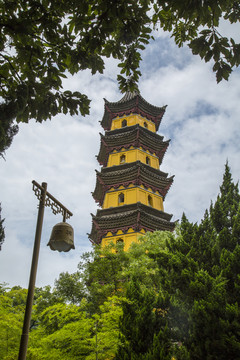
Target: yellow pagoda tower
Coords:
[[130, 188]]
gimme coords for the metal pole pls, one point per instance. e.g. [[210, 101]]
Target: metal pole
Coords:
[[32, 279]]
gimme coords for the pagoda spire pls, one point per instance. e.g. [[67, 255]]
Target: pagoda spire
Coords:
[[129, 95]]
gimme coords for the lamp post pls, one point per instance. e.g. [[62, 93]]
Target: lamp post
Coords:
[[61, 240]]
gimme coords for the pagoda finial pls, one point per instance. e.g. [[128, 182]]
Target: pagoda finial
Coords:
[[129, 95]]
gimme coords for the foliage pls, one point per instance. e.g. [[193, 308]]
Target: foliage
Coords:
[[172, 296], [197, 23], [67, 332], [137, 323], [106, 329], [69, 287], [101, 272], [12, 306], [2, 232], [64, 333], [7, 131], [197, 289], [42, 41]]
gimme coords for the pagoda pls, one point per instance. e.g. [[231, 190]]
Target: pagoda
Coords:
[[130, 188]]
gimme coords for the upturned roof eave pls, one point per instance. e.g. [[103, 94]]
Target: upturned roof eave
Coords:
[[153, 147], [147, 220], [133, 207], [136, 173], [129, 165], [130, 128], [137, 104]]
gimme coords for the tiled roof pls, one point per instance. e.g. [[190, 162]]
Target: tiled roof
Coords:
[[135, 136], [131, 103], [137, 216], [136, 173]]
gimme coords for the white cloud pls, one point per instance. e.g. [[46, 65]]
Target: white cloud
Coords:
[[202, 119]]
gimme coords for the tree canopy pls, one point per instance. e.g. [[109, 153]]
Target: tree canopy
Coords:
[[42, 40]]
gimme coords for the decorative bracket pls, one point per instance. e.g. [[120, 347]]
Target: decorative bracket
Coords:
[[54, 204]]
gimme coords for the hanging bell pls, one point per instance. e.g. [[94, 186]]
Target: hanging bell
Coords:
[[62, 237]]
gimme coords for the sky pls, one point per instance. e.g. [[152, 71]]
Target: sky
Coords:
[[202, 120]]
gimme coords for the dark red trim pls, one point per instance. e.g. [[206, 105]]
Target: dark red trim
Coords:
[[136, 144], [137, 228], [133, 110]]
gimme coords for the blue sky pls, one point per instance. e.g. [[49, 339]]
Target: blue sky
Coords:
[[202, 120]]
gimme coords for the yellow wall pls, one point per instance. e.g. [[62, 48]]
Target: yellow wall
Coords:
[[133, 120], [127, 238], [131, 196], [132, 155]]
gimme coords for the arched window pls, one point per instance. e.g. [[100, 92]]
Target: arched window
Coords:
[[122, 159], [119, 241], [124, 122], [145, 124], [150, 200], [147, 160], [120, 198]]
